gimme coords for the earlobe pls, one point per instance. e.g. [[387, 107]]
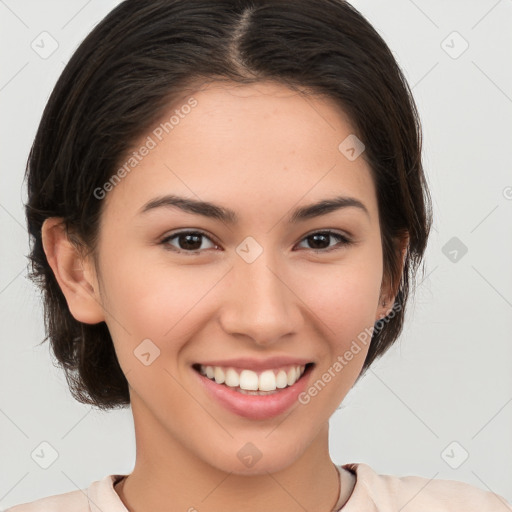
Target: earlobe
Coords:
[[385, 307], [78, 284], [388, 295]]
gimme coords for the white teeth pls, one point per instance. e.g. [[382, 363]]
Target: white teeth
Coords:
[[249, 380], [268, 380], [281, 379], [232, 378], [293, 375], [219, 375]]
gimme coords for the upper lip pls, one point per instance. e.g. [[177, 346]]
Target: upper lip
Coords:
[[258, 364]]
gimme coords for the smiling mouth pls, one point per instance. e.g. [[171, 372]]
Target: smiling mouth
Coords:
[[305, 372]]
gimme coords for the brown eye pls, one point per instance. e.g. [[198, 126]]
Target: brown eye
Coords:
[[319, 241], [187, 241]]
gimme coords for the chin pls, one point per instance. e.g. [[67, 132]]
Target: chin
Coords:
[[257, 458]]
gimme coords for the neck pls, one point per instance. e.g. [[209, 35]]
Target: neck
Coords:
[[169, 477]]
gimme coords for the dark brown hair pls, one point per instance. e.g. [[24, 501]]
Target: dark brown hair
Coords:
[[140, 58]]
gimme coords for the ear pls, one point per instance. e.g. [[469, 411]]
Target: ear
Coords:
[[76, 276], [388, 292]]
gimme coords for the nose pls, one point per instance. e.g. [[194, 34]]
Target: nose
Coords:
[[259, 301]]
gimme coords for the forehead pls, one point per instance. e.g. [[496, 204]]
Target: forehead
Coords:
[[243, 145]]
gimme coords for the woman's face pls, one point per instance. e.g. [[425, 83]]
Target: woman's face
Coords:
[[251, 288]]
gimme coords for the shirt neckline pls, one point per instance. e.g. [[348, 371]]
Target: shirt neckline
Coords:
[[341, 469]]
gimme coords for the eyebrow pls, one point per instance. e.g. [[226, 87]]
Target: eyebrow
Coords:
[[213, 211]]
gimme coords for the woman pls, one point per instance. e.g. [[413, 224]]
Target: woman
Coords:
[[283, 135]]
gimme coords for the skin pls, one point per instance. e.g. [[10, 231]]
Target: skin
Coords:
[[260, 150]]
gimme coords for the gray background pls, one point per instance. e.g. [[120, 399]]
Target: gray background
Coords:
[[442, 393]]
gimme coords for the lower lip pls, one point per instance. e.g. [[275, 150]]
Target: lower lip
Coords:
[[255, 407]]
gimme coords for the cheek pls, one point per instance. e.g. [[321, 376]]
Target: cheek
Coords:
[[144, 297], [153, 312], [344, 296], [343, 301], [152, 300]]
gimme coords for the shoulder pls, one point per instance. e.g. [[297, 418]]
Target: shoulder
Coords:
[[74, 500], [413, 493], [100, 493]]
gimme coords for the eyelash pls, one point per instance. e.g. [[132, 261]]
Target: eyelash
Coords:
[[344, 241]]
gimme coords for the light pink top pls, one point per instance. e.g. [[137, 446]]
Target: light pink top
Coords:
[[372, 493]]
